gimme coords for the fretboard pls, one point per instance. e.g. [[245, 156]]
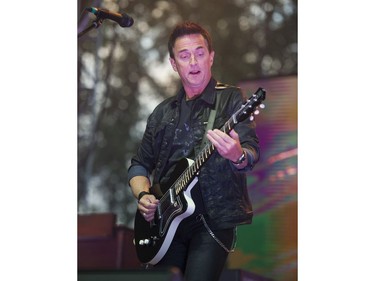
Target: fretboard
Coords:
[[183, 181]]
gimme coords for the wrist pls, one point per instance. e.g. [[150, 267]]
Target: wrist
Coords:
[[241, 159], [141, 194]]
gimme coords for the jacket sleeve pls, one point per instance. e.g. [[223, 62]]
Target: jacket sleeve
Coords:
[[245, 129], [142, 163]]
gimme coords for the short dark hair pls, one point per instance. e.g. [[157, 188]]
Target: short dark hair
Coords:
[[187, 28]]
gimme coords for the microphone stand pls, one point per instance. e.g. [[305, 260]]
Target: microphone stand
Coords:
[[95, 24]]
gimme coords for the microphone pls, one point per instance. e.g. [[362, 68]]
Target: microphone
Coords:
[[123, 20]]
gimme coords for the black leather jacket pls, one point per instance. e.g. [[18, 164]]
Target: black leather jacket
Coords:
[[223, 187]]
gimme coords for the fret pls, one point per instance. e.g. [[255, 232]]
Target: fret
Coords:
[[201, 158], [188, 174], [178, 188]]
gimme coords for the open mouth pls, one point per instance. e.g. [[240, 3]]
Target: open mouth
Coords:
[[195, 72]]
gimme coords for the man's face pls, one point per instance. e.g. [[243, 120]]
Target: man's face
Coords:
[[193, 62]]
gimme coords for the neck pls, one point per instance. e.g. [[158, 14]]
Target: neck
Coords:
[[191, 94], [194, 92], [187, 97]]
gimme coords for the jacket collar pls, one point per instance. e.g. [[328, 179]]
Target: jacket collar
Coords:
[[208, 94]]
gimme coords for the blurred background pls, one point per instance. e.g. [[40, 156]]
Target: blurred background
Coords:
[[123, 73]]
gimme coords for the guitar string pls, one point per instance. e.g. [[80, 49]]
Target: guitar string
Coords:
[[186, 176]]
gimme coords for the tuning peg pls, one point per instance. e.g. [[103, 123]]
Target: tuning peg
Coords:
[[251, 118], [262, 105], [256, 112]]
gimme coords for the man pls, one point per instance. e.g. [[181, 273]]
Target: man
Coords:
[[176, 130]]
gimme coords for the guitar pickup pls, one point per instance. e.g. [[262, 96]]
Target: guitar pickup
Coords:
[[158, 212], [172, 196]]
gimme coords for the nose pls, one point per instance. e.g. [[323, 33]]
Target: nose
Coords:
[[193, 60]]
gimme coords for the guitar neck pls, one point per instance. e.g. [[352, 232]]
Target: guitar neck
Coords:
[[202, 157], [210, 148]]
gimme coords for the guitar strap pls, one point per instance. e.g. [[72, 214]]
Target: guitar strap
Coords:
[[210, 123], [211, 120]]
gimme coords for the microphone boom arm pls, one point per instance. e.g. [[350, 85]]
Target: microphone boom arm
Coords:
[[95, 24]]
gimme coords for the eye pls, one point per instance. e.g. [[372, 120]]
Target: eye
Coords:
[[184, 56]]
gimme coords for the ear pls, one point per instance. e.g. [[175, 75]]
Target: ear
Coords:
[[212, 55], [173, 63]]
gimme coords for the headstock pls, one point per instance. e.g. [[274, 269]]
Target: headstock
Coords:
[[250, 107]]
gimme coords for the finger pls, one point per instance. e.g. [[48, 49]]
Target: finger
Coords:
[[216, 142], [217, 134], [147, 206], [146, 210], [215, 139], [234, 135], [212, 135], [212, 140], [148, 216], [222, 138], [148, 200]]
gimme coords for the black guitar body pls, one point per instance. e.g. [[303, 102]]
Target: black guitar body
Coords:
[[152, 239]]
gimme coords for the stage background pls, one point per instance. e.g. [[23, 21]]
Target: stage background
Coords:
[[269, 245]]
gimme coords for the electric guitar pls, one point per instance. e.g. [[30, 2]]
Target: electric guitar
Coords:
[[152, 239]]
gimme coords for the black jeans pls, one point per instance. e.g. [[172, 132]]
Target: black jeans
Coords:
[[196, 253]]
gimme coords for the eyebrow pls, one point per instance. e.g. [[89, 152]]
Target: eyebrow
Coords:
[[186, 50]]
